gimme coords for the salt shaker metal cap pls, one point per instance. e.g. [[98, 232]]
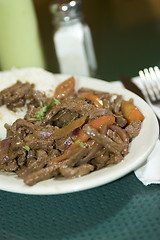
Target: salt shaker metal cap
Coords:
[[65, 11]]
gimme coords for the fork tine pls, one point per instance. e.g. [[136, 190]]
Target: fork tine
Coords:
[[157, 72], [155, 82], [149, 82], [150, 78], [144, 75]]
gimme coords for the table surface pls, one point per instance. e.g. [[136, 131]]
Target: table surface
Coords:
[[121, 210]]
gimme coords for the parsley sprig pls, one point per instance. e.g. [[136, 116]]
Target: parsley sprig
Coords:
[[44, 108], [69, 121], [78, 142], [27, 148]]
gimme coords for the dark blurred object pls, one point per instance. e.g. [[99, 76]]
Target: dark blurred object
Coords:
[[46, 31], [126, 35], [128, 84]]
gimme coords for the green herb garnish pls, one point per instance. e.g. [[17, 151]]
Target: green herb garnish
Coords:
[[41, 104], [69, 121], [41, 113], [56, 101], [44, 108], [78, 142], [27, 148]]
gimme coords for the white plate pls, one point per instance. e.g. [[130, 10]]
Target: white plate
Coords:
[[139, 149]]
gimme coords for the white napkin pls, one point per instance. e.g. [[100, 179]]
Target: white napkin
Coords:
[[149, 172]]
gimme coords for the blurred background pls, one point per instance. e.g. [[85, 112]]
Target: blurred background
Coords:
[[126, 35]]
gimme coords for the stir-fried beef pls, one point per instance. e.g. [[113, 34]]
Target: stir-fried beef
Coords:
[[70, 136], [100, 94], [76, 171], [63, 117], [117, 104], [16, 95], [133, 129], [43, 174], [121, 121], [104, 140]]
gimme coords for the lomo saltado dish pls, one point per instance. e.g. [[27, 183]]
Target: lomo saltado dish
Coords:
[[71, 134]]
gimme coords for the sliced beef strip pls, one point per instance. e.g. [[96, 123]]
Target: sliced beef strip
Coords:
[[114, 136], [62, 142], [100, 94], [42, 158], [104, 96], [123, 135], [37, 163], [69, 169], [63, 117], [51, 170], [107, 159], [94, 148], [101, 158], [50, 115], [35, 143], [104, 140], [10, 158], [19, 123], [31, 110], [133, 129], [81, 170], [16, 95], [31, 154], [38, 97], [10, 166], [116, 158], [107, 105], [42, 174], [100, 161], [53, 153], [4, 147], [121, 121], [76, 156], [21, 160], [44, 132], [116, 105]]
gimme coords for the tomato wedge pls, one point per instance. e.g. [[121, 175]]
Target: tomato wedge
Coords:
[[97, 124], [131, 112], [64, 89]]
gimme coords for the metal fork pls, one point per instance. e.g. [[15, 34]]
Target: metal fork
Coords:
[[151, 90]]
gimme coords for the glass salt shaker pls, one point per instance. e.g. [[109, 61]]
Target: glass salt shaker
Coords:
[[72, 39]]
